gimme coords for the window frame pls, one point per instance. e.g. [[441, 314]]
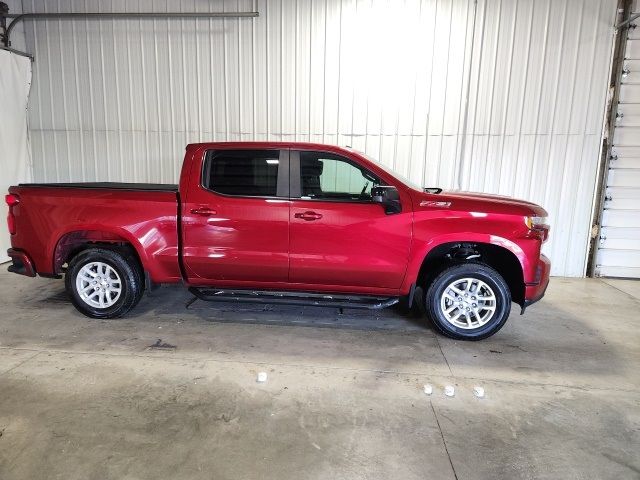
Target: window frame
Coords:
[[282, 180], [295, 181]]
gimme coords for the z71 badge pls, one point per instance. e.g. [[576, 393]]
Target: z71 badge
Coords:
[[433, 203]]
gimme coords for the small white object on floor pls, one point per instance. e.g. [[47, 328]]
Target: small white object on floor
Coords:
[[262, 377], [449, 391], [478, 392], [428, 389]]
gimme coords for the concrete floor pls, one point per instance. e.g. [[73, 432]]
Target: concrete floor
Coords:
[[171, 393]]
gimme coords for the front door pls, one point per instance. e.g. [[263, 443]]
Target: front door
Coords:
[[339, 237], [235, 221]]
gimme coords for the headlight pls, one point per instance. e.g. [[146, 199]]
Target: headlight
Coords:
[[536, 223]]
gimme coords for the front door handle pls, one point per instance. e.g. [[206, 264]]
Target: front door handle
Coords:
[[204, 211], [308, 216]]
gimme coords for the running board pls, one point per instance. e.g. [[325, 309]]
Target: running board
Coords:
[[293, 298]]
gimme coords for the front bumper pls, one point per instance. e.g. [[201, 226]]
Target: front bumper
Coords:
[[534, 291], [21, 263]]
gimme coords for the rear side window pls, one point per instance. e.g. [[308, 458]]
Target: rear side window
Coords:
[[246, 173]]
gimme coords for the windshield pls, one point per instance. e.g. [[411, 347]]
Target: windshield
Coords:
[[394, 174]]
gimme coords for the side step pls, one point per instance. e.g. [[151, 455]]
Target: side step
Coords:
[[293, 298]]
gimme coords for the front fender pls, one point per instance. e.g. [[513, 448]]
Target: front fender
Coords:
[[421, 250]]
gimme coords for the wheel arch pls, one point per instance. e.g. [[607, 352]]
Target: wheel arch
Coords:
[[76, 240], [503, 256]]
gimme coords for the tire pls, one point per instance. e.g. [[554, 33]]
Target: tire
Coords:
[[478, 316], [115, 270]]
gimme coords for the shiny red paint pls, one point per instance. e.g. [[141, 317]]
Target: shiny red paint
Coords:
[[354, 244], [246, 238], [275, 243], [534, 290], [145, 220], [473, 218]]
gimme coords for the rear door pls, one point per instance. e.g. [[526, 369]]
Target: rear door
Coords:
[[339, 237], [235, 217]]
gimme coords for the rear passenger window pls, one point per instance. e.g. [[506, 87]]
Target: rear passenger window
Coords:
[[246, 173]]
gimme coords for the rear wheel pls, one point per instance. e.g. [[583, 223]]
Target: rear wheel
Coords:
[[468, 301], [104, 283]]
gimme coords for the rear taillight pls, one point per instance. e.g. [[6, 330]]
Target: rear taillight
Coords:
[[12, 201]]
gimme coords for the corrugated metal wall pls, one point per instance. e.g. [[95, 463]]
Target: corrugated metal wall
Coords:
[[503, 96]]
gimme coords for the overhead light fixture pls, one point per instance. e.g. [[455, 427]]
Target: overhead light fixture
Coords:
[[273, 161]]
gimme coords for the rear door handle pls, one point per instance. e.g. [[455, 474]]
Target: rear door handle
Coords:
[[204, 211], [308, 216]]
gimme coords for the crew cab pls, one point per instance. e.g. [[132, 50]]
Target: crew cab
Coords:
[[294, 223]]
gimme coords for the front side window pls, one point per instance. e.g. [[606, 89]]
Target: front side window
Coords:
[[330, 177], [246, 173]]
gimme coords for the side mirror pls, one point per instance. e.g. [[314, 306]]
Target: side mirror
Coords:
[[388, 197]]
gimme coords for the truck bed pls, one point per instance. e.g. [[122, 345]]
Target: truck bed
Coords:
[[51, 218], [146, 187]]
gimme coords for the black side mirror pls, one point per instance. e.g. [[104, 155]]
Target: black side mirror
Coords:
[[388, 197]]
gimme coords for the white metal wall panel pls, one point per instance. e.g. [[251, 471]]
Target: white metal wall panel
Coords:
[[619, 246], [15, 79], [502, 96]]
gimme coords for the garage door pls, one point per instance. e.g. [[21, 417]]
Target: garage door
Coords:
[[619, 248]]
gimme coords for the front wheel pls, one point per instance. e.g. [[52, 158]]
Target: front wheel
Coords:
[[470, 301], [103, 283]]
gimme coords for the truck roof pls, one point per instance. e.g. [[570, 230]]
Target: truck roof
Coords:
[[266, 144]]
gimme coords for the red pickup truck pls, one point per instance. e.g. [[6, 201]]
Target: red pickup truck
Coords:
[[290, 223]]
